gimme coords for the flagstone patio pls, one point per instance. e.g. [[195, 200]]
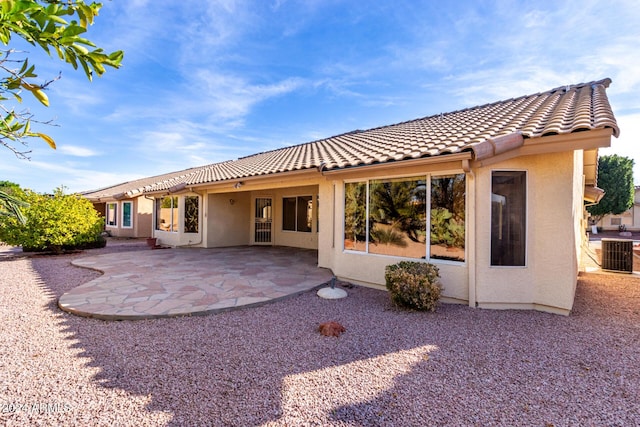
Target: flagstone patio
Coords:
[[193, 281]]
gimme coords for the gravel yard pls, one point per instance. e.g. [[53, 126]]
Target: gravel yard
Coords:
[[269, 365]]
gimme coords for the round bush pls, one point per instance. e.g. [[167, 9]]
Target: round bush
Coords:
[[414, 285]]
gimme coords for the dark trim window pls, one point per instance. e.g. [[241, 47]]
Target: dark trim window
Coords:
[[508, 218], [297, 213], [112, 214], [389, 217]]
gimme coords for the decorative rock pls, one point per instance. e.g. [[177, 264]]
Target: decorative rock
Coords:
[[332, 293], [331, 329]]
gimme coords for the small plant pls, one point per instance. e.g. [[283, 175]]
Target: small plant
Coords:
[[413, 285]]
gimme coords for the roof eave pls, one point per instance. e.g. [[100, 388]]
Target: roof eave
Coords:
[[461, 157], [587, 140]]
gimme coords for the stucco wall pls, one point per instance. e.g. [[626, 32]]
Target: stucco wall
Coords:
[[228, 222], [143, 222], [549, 277]]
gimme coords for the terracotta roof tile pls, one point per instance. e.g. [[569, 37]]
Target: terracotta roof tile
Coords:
[[558, 111]]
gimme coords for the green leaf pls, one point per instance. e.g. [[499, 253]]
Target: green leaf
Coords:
[[80, 49]]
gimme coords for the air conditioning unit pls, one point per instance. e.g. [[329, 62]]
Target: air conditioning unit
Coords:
[[617, 255]]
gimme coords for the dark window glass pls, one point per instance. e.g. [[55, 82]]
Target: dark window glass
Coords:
[[508, 218], [289, 213]]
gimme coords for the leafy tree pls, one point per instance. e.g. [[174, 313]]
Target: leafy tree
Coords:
[[53, 25], [615, 177], [53, 222]]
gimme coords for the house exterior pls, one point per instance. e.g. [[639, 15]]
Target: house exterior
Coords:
[[127, 211], [630, 219], [493, 195]]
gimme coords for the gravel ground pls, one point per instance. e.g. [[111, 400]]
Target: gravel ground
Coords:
[[270, 366]]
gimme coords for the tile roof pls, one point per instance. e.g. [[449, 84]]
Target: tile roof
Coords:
[[561, 110], [137, 186]]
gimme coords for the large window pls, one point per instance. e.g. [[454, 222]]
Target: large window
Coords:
[[167, 214], [191, 218], [389, 217], [508, 218], [112, 214], [297, 213], [127, 207], [447, 217]]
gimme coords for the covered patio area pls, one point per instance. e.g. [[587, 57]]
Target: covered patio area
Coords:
[[193, 281]]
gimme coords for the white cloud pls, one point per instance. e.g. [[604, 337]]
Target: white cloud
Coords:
[[227, 96], [76, 151]]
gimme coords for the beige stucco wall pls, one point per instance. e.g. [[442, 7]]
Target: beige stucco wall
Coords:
[[228, 222], [548, 280], [143, 222]]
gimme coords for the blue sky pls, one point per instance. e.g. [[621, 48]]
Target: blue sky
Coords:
[[207, 81]]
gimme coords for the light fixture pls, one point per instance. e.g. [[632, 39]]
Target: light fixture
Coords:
[[238, 184], [231, 201]]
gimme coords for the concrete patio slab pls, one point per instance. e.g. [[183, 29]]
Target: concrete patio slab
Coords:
[[194, 281]]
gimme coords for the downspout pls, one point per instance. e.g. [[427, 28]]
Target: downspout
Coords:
[[471, 235]]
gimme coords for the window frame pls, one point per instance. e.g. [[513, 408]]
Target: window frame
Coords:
[[296, 213], [115, 214], [427, 178], [525, 263], [122, 219], [175, 214]]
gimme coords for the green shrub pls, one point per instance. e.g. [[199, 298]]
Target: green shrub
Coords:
[[413, 284], [54, 223]]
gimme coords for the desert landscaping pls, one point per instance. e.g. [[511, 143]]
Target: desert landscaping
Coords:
[[269, 365]]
